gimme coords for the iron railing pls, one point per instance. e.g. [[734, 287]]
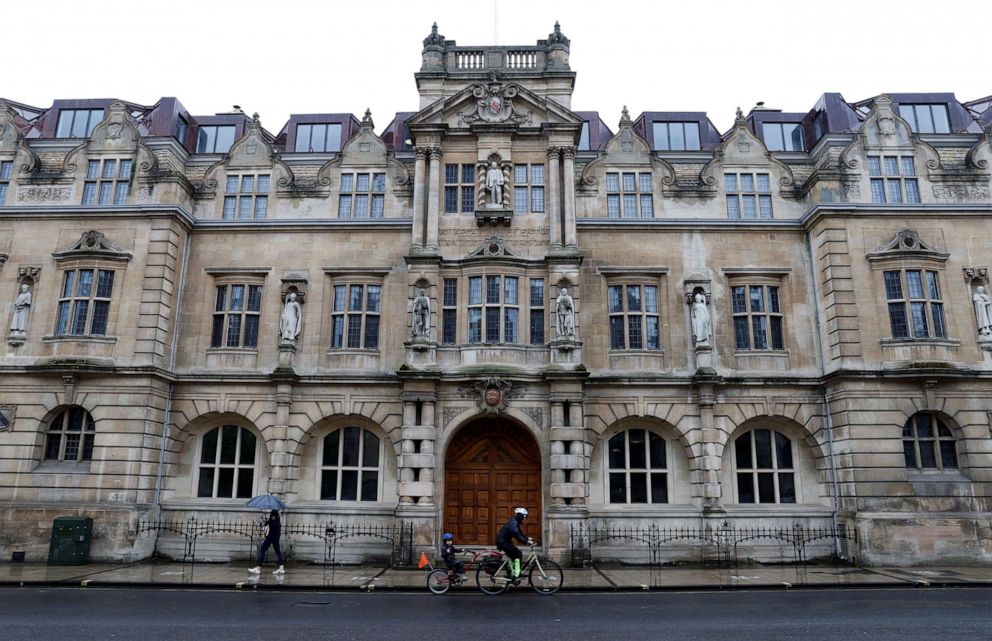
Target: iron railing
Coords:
[[709, 545], [398, 534]]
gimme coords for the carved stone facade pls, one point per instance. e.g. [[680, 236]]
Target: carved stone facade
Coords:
[[659, 325]]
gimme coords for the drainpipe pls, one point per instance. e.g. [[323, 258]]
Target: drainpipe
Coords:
[[823, 390], [180, 291]]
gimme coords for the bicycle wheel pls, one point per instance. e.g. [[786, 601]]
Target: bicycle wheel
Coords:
[[546, 577], [438, 582], [487, 582]]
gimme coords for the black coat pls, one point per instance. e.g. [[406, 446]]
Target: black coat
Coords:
[[448, 551], [511, 531]]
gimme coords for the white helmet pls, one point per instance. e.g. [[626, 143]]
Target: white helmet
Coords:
[[520, 511]]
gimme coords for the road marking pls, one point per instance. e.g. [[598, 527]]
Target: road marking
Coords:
[[85, 582]]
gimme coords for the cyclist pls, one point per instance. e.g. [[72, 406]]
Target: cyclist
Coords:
[[448, 551], [509, 532]]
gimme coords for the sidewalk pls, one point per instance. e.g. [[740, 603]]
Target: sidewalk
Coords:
[[376, 577]]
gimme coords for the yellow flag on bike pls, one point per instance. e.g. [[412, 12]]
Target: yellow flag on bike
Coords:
[[423, 560]]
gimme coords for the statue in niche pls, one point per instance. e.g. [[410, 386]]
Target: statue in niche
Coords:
[[983, 312], [19, 321], [494, 183], [421, 315], [565, 314], [700, 319], [291, 321]]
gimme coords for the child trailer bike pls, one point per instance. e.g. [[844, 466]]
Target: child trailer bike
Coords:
[[440, 580], [543, 575]]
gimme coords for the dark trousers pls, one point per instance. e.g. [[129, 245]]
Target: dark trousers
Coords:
[[265, 547], [511, 550], [456, 565]]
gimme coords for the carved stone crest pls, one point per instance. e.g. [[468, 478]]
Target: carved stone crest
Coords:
[[494, 103], [494, 393], [93, 244]]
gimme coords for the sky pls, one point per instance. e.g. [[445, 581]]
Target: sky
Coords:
[[304, 56]]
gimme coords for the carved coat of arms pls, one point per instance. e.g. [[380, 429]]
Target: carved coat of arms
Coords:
[[493, 393], [494, 103]]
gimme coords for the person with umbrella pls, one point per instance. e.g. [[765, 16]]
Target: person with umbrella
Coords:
[[271, 532]]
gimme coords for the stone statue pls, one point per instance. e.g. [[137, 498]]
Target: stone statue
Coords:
[[565, 312], [983, 312], [19, 322], [421, 315], [291, 321], [494, 183], [700, 319]]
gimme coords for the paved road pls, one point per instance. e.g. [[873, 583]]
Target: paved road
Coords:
[[174, 615]]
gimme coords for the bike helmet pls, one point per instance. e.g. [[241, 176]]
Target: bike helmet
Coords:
[[447, 536], [519, 511]]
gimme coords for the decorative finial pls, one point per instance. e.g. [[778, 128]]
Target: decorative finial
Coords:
[[740, 117], [256, 119], [556, 37], [367, 118], [435, 39], [625, 120]]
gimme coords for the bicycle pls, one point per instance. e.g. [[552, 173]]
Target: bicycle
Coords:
[[544, 576], [440, 580]]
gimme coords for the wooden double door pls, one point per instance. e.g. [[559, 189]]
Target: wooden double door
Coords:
[[492, 466]]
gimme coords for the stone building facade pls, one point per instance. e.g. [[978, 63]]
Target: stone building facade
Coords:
[[500, 301]]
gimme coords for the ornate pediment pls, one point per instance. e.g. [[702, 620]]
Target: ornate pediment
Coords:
[[907, 244], [252, 149], [116, 132], [93, 244], [496, 102], [493, 247], [364, 148], [494, 393]]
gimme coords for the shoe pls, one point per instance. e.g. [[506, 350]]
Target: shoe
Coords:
[[281, 570], [255, 570]]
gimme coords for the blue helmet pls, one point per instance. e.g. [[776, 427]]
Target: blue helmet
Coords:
[[447, 536]]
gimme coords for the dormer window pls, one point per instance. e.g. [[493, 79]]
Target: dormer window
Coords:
[[676, 136], [926, 118], [783, 136], [318, 137], [214, 139], [893, 179], [584, 137], [77, 123]]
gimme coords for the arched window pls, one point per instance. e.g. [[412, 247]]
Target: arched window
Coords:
[[351, 465], [637, 464], [763, 461], [928, 444], [227, 463], [70, 436]]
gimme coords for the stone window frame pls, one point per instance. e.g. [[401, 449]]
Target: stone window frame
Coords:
[[360, 468], [524, 276], [882, 178], [6, 176], [642, 280], [449, 311], [85, 447], [766, 277], [363, 314], [459, 194], [116, 182], [199, 465], [534, 192], [641, 190], [259, 189], [73, 301], [755, 472], [352, 191], [934, 319], [220, 333], [227, 277], [746, 184], [648, 470], [943, 434]]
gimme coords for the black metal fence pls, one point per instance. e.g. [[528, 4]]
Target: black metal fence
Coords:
[[397, 534], [721, 546]]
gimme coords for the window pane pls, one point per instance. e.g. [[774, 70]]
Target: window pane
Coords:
[[638, 453], [349, 485], [331, 448], [370, 486], [101, 310], [676, 136], [354, 331], [206, 139], [615, 298], [350, 444], [449, 321], [893, 286], [730, 183], [251, 331], [628, 182], [912, 191], [634, 332], [520, 200], [908, 166], [630, 205], [537, 292], [333, 140], [537, 199], [79, 319], [247, 453], [613, 206], [246, 483], [347, 182], [877, 190], [303, 138], [659, 487], [742, 452], [225, 138], [355, 298], [451, 174], [909, 453], [647, 206], [783, 451], [109, 168], [776, 331], [733, 207], [937, 311], [344, 206], [371, 332], [645, 182], [919, 313], [757, 299], [612, 182], [337, 332], [362, 182], [475, 325], [742, 338], [766, 487], [928, 456], [891, 166], [914, 283], [205, 484], [764, 185], [874, 166], [765, 206], [329, 485], [510, 290], [660, 130], [786, 488], [374, 302], [654, 335], [749, 209], [370, 449], [760, 333], [692, 136], [745, 488], [339, 298], [106, 192], [536, 327], [650, 298], [633, 298], [747, 182], [897, 320], [657, 450], [510, 325], [638, 487], [763, 448], [617, 332], [229, 444], [361, 209], [948, 455], [618, 487], [537, 174], [492, 324], [64, 128], [617, 456], [105, 283], [773, 136], [893, 191], [234, 330], [924, 119]]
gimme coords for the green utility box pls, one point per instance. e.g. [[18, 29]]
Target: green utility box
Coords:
[[71, 537]]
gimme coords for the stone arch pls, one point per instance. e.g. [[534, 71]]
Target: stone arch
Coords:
[[810, 462], [183, 450], [681, 464], [307, 452], [964, 463], [485, 468], [682, 419], [54, 410]]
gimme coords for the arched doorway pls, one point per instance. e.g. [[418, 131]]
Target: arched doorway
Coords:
[[492, 465]]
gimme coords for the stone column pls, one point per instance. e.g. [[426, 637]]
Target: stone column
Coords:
[[554, 200], [279, 458], [568, 180], [419, 180], [433, 200]]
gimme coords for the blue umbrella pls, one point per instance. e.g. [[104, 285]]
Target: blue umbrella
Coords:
[[266, 502]]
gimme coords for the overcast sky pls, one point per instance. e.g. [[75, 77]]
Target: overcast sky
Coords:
[[306, 56]]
